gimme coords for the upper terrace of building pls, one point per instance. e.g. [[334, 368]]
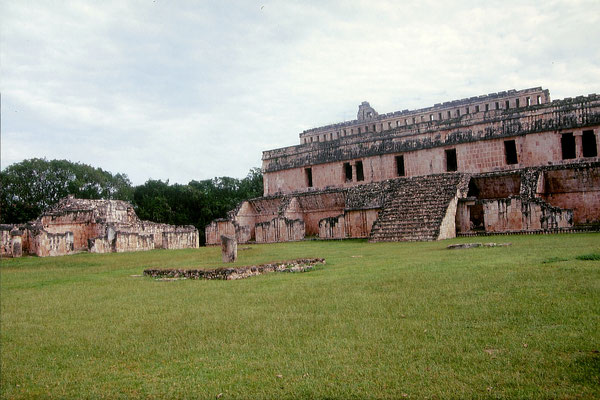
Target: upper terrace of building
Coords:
[[368, 120], [555, 114]]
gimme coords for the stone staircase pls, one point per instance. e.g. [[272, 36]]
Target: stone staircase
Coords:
[[414, 208]]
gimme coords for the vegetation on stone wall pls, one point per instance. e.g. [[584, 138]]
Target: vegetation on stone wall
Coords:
[[31, 186]]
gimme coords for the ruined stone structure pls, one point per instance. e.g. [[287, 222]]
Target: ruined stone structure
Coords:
[[512, 161], [97, 226]]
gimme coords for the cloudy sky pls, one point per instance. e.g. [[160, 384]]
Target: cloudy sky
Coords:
[[184, 90]]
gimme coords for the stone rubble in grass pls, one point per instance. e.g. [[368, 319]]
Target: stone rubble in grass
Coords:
[[472, 245], [299, 265]]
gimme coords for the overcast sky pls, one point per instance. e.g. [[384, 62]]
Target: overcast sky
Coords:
[[184, 90]]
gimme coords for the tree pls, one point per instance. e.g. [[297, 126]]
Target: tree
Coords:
[[31, 186]]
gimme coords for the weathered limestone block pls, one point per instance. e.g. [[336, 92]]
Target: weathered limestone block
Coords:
[[228, 248]]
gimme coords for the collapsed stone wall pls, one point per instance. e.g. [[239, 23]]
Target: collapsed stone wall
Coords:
[[98, 226]]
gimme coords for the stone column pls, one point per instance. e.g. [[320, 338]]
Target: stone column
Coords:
[[578, 144], [16, 243], [228, 248]]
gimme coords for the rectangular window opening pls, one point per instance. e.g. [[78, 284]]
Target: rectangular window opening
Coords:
[[567, 144], [476, 109], [517, 103], [588, 142], [360, 176], [467, 110], [528, 101], [309, 181], [451, 164], [439, 116], [539, 99], [449, 115], [458, 113], [510, 152], [431, 117], [400, 166], [497, 105], [507, 104], [348, 172], [487, 107]]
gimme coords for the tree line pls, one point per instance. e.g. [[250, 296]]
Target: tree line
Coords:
[[31, 186]]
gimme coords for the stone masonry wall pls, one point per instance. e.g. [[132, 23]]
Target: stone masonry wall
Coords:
[[279, 230], [479, 147], [97, 226]]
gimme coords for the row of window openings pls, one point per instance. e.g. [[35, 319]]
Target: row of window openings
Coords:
[[414, 119], [588, 144], [510, 152]]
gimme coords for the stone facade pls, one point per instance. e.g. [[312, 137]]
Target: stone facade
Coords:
[[97, 226], [511, 161]]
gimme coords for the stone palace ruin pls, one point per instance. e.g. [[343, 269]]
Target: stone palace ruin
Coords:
[[97, 226], [512, 161]]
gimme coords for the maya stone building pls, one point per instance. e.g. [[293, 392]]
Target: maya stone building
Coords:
[[98, 226], [511, 161]]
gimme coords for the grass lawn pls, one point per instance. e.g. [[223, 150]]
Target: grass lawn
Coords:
[[386, 320]]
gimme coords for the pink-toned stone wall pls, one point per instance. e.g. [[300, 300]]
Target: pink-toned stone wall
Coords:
[[576, 189], [359, 222], [183, 239], [126, 241], [5, 246], [332, 227], [45, 244], [217, 228], [514, 214], [279, 230], [475, 157]]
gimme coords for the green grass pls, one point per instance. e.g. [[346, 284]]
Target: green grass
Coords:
[[387, 320]]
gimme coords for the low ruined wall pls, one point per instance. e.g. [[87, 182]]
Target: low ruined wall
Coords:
[[279, 230], [45, 244], [515, 214], [82, 231], [215, 229], [101, 245], [125, 241], [180, 239], [299, 265], [5, 246], [332, 228]]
